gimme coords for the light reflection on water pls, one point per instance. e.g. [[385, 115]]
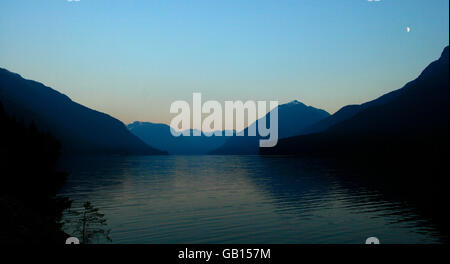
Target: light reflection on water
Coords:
[[237, 199]]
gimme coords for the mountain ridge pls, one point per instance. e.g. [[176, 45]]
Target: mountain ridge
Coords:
[[159, 136], [80, 129], [294, 112], [416, 118], [349, 111]]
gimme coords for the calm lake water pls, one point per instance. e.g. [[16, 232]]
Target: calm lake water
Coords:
[[238, 199]]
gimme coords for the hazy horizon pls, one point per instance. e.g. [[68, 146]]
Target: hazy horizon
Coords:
[[132, 59]]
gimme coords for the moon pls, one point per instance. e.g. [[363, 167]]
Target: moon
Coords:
[[408, 29]]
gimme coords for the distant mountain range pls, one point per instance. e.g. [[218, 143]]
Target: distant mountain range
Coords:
[[411, 121], [293, 117], [411, 118], [160, 137], [79, 129]]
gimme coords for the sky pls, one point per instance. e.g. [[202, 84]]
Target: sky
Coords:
[[132, 59]]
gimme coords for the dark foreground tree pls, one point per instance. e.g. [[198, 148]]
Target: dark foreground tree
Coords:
[[88, 224], [30, 209]]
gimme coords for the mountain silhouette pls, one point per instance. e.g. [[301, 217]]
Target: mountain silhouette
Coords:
[[292, 118], [79, 129], [160, 137], [408, 124], [347, 112]]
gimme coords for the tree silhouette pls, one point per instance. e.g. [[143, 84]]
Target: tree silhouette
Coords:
[[30, 181], [88, 223]]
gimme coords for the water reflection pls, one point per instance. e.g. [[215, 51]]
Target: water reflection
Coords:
[[240, 199]]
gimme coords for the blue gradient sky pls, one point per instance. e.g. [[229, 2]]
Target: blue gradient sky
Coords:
[[131, 59]]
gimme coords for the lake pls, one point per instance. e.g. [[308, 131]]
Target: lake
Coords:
[[239, 199]]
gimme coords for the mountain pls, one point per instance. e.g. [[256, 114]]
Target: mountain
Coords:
[[411, 125], [79, 129], [292, 118], [159, 136], [347, 112]]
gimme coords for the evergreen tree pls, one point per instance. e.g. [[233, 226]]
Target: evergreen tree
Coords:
[[88, 223]]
